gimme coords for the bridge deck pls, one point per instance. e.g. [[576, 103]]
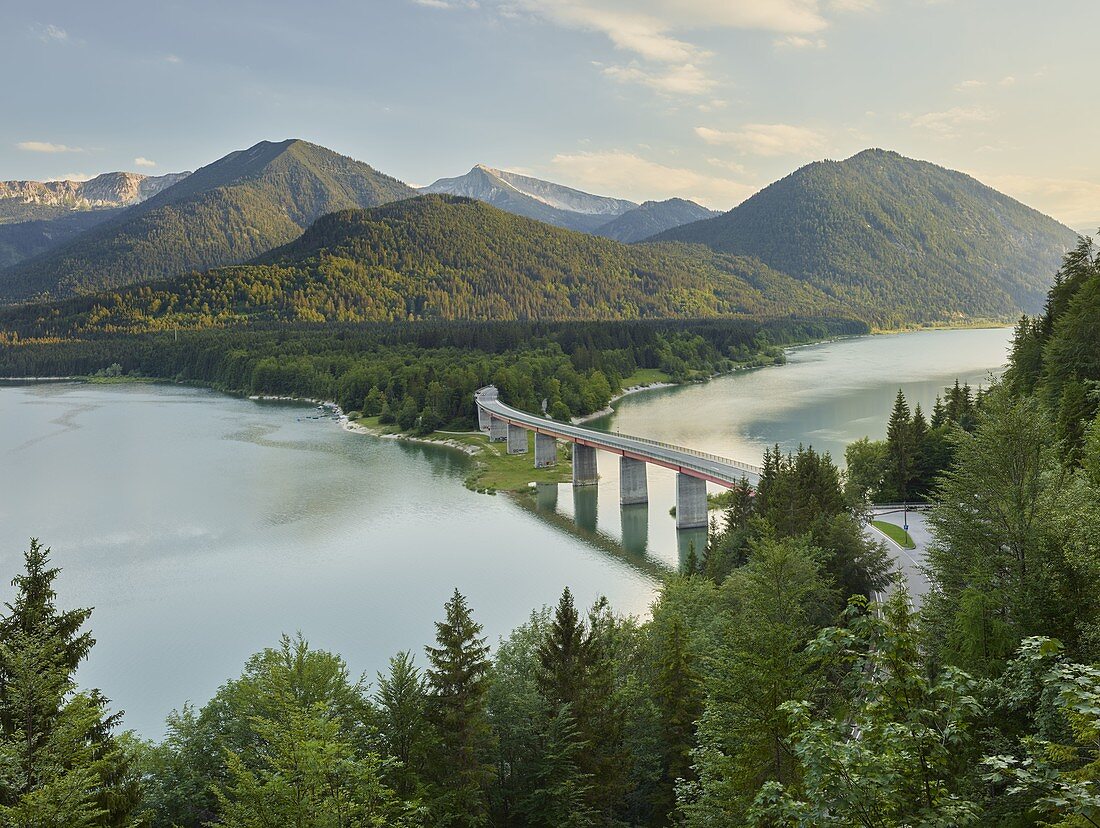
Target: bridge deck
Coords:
[[720, 470]]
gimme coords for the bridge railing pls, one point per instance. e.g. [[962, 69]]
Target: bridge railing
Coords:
[[714, 458]]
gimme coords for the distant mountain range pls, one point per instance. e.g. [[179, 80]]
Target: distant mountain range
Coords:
[[441, 257], [565, 207], [885, 238], [38, 200], [230, 211], [905, 239]]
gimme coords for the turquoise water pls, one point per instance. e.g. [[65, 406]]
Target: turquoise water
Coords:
[[201, 526]]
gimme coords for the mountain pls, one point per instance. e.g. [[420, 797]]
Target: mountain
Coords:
[[22, 240], [226, 212], [22, 201], [440, 257], [904, 240], [534, 198], [652, 218]]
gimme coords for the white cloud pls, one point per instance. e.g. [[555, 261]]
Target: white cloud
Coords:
[[726, 164], [1074, 201], [629, 175], [142, 161], [1007, 80], [46, 146], [447, 4], [687, 79], [947, 122], [50, 33], [173, 59], [769, 140], [799, 42], [73, 176], [967, 85]]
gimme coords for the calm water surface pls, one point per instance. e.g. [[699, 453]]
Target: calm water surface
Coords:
[[200, 527]]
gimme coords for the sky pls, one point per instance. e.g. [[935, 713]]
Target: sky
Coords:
[[641, 99]]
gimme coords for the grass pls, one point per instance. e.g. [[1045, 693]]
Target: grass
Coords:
[[645, 376], [495, 470], [895, 533]]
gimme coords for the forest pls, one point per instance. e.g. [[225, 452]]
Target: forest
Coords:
[[780, 680], [428, 370]]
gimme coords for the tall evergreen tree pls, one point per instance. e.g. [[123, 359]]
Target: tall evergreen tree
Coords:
[[899, 442], [401, 700], [63, 761], [458, 681]]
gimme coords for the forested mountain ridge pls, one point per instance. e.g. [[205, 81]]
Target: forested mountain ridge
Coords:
[[914, 240], [651, 218], [226, 212], [441, 257]]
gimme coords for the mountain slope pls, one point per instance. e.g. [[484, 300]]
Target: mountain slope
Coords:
[[533, 198], [906, 240], [230, 211], [652, 218], [25, 239], [22, 201], [441, 257]]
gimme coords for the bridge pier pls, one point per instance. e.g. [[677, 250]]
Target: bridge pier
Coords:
[[632, 482], [691, 502], [517, 439], [484, 419], [584, 465], [546, 450], [498, 430]]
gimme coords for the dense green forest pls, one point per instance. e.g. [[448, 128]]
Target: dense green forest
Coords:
[[440, 257], [426, 372], [229, 211], [765, 689], [904, 239]]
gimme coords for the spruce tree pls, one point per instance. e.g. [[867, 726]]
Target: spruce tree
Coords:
[[679, 699], [458, 681], [402, 698], [899, 442], [56, 741]]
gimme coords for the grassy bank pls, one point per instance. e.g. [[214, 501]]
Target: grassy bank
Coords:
[[894, 533]]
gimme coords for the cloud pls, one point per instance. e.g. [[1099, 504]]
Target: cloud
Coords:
[[50, 33], [799, 42], [142, 161], [967, 85], [947, 122], [768, 140], [687, 79], [1073, 201], [629, 175], [447, 4], [73, 176], [46, 146], [173, 59]]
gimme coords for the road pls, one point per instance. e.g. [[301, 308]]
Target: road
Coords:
[[720, 470], [908, 561]]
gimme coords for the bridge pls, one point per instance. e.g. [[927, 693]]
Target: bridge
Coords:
[[694, 469]]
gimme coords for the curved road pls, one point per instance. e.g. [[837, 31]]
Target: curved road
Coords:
[[710, 467]]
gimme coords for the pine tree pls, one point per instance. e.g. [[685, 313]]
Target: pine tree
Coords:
[[899, 442], [458, 682], [59, 740], [679, 699], [401, 699]]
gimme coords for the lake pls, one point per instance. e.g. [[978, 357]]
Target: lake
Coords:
[[202, 526]]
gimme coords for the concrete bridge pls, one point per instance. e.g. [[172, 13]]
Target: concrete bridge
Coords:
[[694, 469]]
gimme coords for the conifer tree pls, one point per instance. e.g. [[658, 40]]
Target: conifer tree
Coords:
[[402, 698], [679, 700], [458, 681], [899, 442]]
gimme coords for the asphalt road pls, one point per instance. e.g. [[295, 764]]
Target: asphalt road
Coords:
[[908, 561]]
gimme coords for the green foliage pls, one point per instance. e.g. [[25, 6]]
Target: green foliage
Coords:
[[897, 239], [756, 664], [60, 765], [895, 751], [458, 681]]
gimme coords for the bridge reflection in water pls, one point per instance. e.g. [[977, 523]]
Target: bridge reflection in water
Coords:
[[694, 469]]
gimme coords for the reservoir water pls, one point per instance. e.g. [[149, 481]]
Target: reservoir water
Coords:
[[201, 526]]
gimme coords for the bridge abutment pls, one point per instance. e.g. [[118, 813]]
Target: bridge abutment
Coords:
[[691, 502], [498, 430], [546, 450], [517, 439], [632, 482], [584, 465]]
